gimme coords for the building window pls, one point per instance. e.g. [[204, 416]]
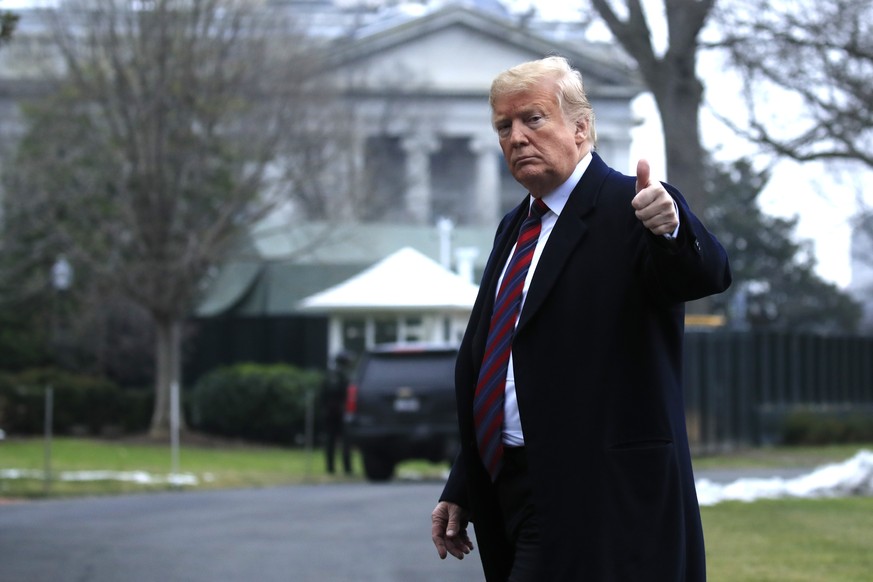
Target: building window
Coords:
[[453, 175], [385, 331], [413, 329], [385, 180], [354, 335]]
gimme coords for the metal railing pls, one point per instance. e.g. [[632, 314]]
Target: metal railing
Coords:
[[739, 385]]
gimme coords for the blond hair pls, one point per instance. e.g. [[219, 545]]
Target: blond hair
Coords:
[[570, 93]]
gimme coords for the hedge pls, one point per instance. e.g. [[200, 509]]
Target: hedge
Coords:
[[257, 402], [827, 427], [83, 404]]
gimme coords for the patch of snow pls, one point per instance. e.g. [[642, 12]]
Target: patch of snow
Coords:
[[849, 478], [141, 477]]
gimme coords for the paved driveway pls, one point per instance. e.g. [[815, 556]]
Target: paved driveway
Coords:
[[326, 533]]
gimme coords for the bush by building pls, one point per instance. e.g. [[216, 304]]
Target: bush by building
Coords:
[[256, 402]]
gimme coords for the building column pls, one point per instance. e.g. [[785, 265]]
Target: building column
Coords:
[[335, 340], [486, 195], [355, 173], [418, 148]]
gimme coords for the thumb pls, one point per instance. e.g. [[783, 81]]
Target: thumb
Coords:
[[643, 171], [453, 526]]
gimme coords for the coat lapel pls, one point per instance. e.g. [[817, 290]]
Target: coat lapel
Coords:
[[503, 243], [566, 235]]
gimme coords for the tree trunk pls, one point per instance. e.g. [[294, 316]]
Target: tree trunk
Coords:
[[168, 370], [679, 103], [678, 92], [672, 79]]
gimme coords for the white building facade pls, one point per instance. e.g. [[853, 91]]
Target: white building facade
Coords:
[[420, 89]]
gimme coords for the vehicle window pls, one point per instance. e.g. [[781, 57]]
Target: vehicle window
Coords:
[[423, 367], [354, 335]]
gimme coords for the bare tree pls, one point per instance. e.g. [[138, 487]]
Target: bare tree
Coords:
[[8, 21], [814, 61], [862, 263], [672, 79], [174, 129], [816, 58]]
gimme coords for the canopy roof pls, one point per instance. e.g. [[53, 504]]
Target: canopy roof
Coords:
[[404, 281]]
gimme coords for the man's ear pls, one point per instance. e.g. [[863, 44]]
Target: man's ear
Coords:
[[582, 133]]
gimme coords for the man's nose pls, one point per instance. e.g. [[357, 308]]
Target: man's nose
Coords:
[[517, 135]]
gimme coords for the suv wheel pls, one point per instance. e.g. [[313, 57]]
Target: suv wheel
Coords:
[[377, 466]]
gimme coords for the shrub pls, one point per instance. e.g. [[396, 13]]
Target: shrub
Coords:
[[825, 427], [254, 402], [82, 404]]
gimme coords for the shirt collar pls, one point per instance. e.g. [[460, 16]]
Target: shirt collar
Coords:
[[557, 199]]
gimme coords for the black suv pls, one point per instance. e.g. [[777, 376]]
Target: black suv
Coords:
[[401, 405]]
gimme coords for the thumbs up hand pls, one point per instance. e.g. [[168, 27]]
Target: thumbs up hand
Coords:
[[654, 207]]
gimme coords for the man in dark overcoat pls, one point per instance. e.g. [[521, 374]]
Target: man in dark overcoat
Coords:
[[589, 476], [334, 394]]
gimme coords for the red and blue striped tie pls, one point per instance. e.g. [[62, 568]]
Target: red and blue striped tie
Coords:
[[488, 400]]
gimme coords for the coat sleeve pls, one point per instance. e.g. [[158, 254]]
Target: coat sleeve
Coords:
[[692, 266], [455, 490]]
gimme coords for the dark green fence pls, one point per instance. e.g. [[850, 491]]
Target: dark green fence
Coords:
[[741, 386]]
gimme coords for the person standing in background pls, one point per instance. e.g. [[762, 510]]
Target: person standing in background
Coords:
[[335, 388]]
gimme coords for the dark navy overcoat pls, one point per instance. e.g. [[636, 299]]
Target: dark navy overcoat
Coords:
[[598, 371]]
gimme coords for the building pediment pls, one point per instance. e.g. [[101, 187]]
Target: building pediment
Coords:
[[457, 50]]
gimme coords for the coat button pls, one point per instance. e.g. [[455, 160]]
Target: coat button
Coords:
[[697, 246]]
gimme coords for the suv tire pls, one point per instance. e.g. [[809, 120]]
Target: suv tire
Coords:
[[377, 465]]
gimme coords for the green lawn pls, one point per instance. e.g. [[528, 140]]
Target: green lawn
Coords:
[[828, 540], [800, 456], [822, 540], [230, 465], [788, 540], [225, 466]]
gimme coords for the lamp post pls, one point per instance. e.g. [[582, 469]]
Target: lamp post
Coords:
[[61, 280], [62, 274]]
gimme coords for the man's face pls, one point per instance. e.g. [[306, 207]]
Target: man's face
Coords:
[[540, 146]]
